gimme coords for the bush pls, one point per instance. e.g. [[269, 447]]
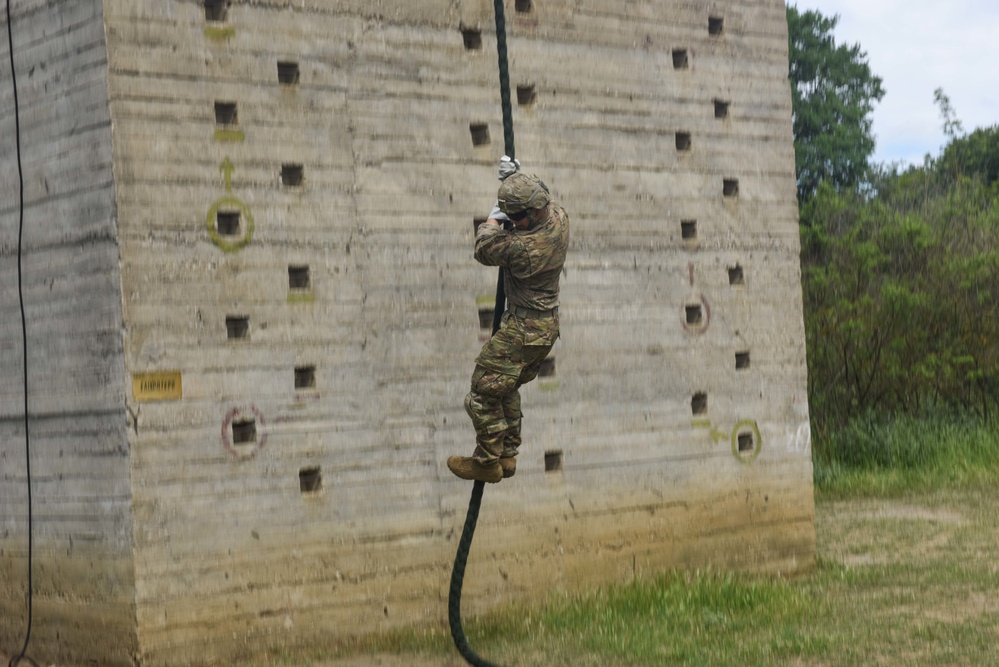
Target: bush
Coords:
[[883, 453], [901, 301]]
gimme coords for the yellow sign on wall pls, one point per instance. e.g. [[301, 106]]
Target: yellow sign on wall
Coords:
[[158, 386]]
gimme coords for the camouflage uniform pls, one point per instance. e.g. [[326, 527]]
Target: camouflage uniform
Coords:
[[532, 260]]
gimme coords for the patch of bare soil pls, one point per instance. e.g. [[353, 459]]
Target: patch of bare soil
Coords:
[[870, 532], [937, 554]]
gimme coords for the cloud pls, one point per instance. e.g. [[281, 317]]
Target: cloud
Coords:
[[917, 46]]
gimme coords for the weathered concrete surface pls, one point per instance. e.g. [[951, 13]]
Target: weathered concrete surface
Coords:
[[229, 554], [84, 591]]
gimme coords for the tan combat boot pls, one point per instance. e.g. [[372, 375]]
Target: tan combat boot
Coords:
[[467, 467], [509, 466]]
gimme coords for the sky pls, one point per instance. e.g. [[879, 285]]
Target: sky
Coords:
[[917, 46]]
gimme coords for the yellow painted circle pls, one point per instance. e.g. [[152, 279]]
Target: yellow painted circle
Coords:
[[226, 244], [735, 440]]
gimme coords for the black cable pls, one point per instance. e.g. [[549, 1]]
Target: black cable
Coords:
[[24, 332], [472, 517]]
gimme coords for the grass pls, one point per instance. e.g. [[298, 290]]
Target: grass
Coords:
[[881, 457], [906, 575], [678, 619]]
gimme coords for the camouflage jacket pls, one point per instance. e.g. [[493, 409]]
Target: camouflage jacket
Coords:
[[533, 258]]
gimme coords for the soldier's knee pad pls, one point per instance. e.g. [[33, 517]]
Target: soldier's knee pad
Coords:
[[486, 413]]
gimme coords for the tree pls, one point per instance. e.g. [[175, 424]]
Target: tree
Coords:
[[952, 126], [901, 299], [833, 93], [973, 155]]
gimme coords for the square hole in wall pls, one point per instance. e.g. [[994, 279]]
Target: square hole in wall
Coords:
[[227, 223], [226, 113], [287, 72], [523, 6], [721, 109], [237, 327], [547, 368], [486, 317], [741, 360], [716, 25], [730, 187], [291, 174], [310, 479], [526, 94], [471, 37], [305, 377], [683, 142], [735, 276], [244, 432], [553, 460], [480, 134], [699, 403], [694, 313], [688, 230], [216, 10], [681, 60], [746, 443], [299, 277]]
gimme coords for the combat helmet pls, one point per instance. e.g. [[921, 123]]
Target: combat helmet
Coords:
[[520, 192]]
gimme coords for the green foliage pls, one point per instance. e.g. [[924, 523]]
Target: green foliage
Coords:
[[900, 287], [975, 155], [833, 94], [901, 299], [879, 456]]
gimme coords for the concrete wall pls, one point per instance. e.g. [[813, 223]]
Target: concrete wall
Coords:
[[82, 523], [231, 553]]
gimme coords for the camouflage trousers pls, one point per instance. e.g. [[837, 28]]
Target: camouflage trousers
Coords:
[[511, 358]]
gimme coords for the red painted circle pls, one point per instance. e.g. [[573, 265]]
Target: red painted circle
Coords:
[[241, 413]]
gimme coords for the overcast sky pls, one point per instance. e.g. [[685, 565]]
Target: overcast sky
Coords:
[[916, 46]]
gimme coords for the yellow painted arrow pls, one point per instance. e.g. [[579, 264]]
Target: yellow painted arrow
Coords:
[[226, 169]]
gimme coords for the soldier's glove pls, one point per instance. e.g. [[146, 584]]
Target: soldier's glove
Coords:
[[497, 214], [508, 166]]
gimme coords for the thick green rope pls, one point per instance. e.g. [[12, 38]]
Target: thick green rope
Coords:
[[504, 77], [472, 517], [458, 576]]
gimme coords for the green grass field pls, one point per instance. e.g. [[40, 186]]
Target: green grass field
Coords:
[[907, 574]]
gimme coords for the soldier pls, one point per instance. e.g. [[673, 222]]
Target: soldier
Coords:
[[532, 254]]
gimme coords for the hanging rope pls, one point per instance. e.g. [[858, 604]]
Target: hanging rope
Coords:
[[458, 576], [472, 517], [504, 78], [22, 657]]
